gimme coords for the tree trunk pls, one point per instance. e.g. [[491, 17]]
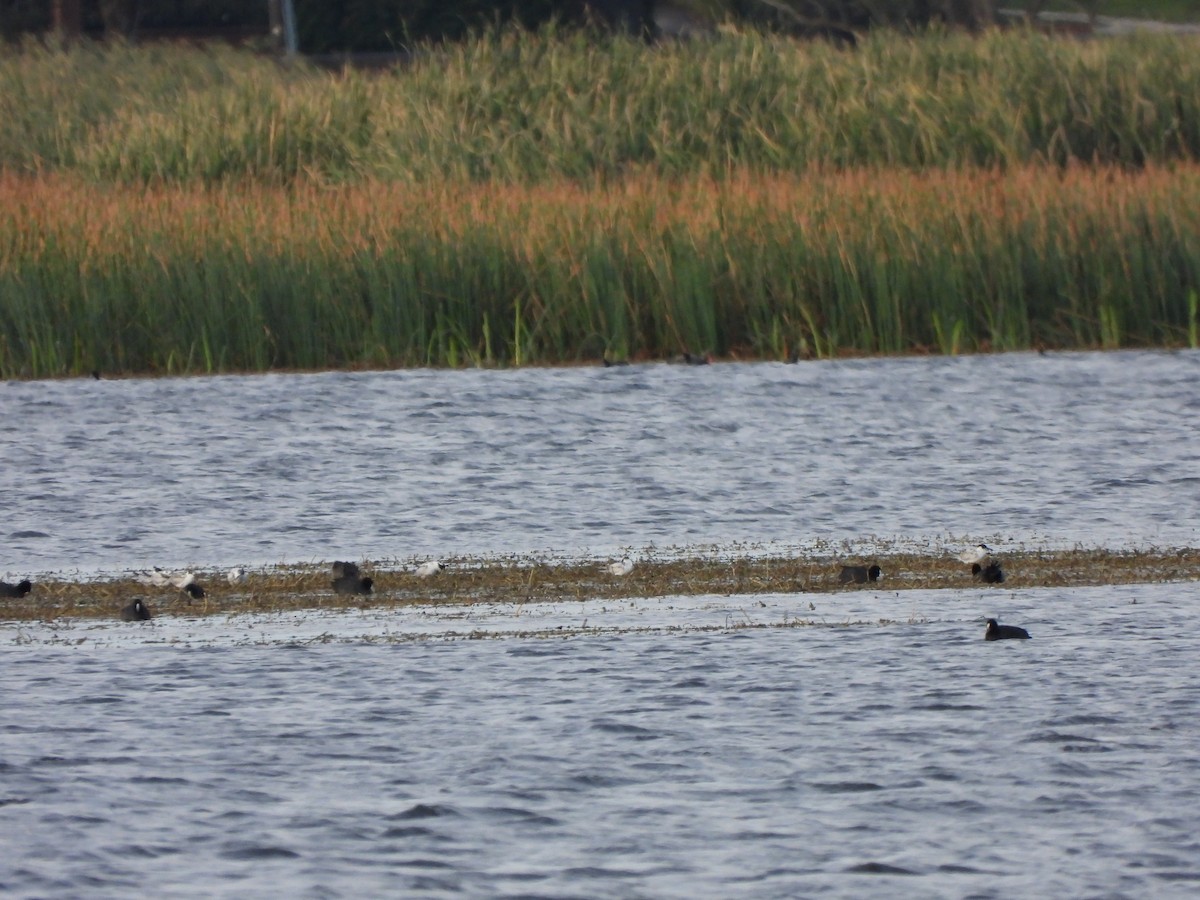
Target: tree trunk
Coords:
[[632, 16], [68, 18]]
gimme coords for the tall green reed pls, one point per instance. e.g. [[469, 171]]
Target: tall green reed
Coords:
[[251, 278]]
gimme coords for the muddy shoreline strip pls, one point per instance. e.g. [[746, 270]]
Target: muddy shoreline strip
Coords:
[[520, 580]]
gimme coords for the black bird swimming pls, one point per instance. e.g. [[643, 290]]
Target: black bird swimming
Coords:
[[998, 632], [194, 590], [344, 568], [15, 590], [610, 363], [859, 574], [137, 611], [989, 574], [352, 584]]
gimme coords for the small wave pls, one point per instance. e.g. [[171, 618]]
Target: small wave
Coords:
[[766, 688], [136, 851], [846, 787], [536, 650], [233, 815], [254, 796], [599, 872], [760, 836], [1054, 737], [878, 868], [1087, 720], [84, 820], [622, 728], [429, 885], [516, 814], [258, 851], [157, 779], [75, 761], [423, 863], [658, 766], [964, 806], [409, 831], [1177, 876], [594, 780], [424, 811]]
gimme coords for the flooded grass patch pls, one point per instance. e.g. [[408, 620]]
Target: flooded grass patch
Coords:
[[472, 582]]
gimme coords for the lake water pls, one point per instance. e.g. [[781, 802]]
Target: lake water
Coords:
[[1054, 450], [863, 743], [683, 747]]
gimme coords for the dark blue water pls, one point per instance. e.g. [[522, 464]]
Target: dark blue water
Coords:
[[1055, 450]]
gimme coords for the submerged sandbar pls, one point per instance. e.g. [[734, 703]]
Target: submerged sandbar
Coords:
[[521, 579]]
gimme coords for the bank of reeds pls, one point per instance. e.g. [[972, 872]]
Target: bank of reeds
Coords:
[[520, 107], [538, 199], [251, 277]]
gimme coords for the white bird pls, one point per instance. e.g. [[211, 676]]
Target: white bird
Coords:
[[978, 553], [182, 581], [236, 575], [425, 569], [624, 567], [156, 577]]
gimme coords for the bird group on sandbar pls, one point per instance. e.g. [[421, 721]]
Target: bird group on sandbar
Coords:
[[20, 589], [859, 574], [621, 567], [185, 581], [429, 568], [348, 580], [984, 569], [989, 571], [989, 574], [137, 611]]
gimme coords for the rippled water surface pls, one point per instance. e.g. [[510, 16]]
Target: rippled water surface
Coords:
[[864, 743], [1098, 449], [705, 749]]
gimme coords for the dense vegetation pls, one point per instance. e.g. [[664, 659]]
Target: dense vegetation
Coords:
[[522, 108], [546, 199], [174, 279], [363, 25], [359, 25]]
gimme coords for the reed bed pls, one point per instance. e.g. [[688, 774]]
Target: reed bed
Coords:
[[523, 580], [249, 277], [519, 107], [545, 199]]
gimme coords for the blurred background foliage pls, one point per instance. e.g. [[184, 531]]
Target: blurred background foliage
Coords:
[[381, 25]]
